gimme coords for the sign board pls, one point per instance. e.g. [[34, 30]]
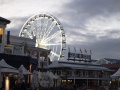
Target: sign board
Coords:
[[78, 57]]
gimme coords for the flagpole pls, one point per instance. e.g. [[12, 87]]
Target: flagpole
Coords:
[[85, 54], [90, 55], [81, 55], [68, 52], [75, 53]]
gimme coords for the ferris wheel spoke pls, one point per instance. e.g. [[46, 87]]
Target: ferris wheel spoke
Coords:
[[50, 29], [32, 27], [51, 44], [44, 28], [55, 54], [52, 36], [38, 24], [41, 35], [40, 31], [28, 34], [45, 24]]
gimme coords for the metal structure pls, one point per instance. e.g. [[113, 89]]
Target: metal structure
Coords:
[[48, 33]]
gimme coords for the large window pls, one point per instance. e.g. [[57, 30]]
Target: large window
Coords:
[[17, 50], [8, 49]]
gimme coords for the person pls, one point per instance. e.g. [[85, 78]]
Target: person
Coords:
[[17, 85], [101, 88], [84, 87], [20, 84], [23, 85]]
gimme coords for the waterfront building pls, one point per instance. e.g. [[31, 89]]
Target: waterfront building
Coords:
[[78, 69], [23, 51], [79, 73], [107, 61], [17, 51], [81, 70]]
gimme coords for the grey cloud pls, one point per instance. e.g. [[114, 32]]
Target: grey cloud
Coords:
[[80, 11], [74, 16], [93, 7], [109, 48], [18, 22]]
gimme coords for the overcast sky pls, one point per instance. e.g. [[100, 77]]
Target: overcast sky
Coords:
[[90, 24]]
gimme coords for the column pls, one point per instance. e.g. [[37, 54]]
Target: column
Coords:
[[22, 50], [74, 75], [39, 61], [30, 69], [7, 83]]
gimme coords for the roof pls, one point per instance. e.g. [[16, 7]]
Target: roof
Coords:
[[4, 64], [116, 74], [107, 61], [4, 20], [111, 60], [112, 66], [102, 61], [85, 66]]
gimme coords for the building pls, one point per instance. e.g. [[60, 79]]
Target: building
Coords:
[[80, 70], [107, 61], [17, 50]]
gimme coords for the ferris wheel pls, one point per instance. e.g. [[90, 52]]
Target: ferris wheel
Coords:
[[48, 32]]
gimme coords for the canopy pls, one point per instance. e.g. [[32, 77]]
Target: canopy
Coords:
[[6, 68], [117, 74], [4, 64], [20, 75], [9, 70], [0, 78], [35, 80], [55, 64], [24, 70], [102, 61]]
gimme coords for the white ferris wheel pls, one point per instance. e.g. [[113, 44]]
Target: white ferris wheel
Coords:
[[48, 32]]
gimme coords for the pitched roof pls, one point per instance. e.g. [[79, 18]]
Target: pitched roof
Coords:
[[109, 59], [112, 66], [112, 60], [4, 20]]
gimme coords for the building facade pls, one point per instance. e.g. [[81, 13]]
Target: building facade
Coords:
[[18, 50]]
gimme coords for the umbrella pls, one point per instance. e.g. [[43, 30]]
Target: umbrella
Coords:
[[4, 64], [9, 70], [116, 74], [40, 75], [6, 68], [35, 80], [43, 82], [24, 70], [20, 75], [0, 78]]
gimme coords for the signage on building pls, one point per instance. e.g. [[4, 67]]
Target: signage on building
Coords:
[[79, 57]]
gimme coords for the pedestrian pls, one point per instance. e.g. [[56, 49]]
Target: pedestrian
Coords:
[[23, 85], [84, 87], [17, 84], [101, 88]]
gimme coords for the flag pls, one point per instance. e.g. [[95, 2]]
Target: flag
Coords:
[[80, 50], [8, 37], [90, 52], [85, 51]]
